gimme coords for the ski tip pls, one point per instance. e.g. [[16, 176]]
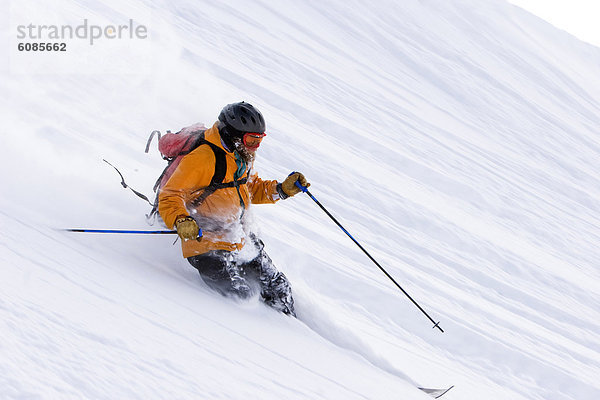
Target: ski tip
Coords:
[[436, 393], [447, 390]]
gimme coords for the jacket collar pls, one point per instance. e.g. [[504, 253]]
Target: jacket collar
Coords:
[[212, 135]]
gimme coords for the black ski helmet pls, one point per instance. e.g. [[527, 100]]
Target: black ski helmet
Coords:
[[242, 117]]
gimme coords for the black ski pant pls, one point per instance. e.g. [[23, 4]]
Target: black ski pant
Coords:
[[222, 271]]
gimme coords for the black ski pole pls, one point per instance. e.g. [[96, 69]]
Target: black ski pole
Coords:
[[305, 190]]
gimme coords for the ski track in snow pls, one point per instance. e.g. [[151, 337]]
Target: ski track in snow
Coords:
[[457, 141]]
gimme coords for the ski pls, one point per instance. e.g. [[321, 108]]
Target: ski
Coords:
[[436, 393]]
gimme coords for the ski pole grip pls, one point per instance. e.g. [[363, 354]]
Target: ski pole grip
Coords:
[[303, 188], [297, 183]]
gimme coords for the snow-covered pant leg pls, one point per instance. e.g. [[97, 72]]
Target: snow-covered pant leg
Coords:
[[220, 272], [276, 290]]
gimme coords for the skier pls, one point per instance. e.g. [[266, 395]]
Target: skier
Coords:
[[230, 259]]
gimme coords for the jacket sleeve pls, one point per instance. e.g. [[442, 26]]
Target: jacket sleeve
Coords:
[[193, 172], [262, 191]]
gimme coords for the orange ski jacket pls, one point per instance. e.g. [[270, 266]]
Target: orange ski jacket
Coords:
[[220, 215]]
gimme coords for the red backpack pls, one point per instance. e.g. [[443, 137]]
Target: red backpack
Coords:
[[173, 146]]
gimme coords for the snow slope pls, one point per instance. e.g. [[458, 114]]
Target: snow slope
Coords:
[[456, 140]]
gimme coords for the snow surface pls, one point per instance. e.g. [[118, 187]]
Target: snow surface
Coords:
[[458, 141]]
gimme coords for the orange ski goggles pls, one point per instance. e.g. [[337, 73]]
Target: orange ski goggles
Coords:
[[252, 140]]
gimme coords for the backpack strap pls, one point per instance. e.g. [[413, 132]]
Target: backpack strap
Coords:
[[126, 186], [150, 139], [208, 190], [218, 177], [220, 163]]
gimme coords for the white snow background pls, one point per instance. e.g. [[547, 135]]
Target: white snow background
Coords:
[[458, 141]]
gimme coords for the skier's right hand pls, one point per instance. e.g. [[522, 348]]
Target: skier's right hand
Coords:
[[187, 228]]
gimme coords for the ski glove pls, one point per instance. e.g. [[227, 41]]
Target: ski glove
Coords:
[[187, 228], [288, 187]]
